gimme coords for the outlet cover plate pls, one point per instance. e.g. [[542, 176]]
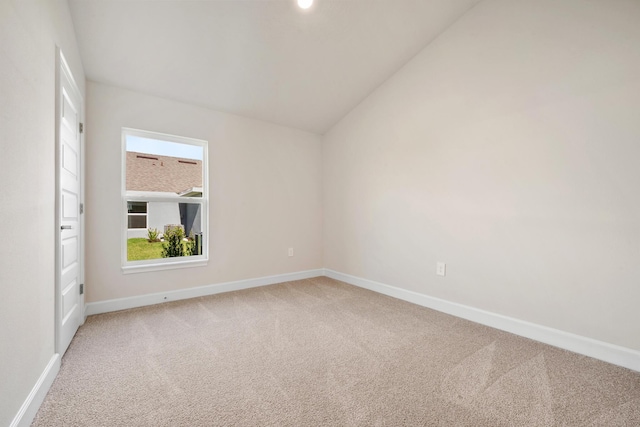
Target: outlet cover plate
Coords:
[[441, 268]]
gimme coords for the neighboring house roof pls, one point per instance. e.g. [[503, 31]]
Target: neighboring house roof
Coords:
[[150, 172]]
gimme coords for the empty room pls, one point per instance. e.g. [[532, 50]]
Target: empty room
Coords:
[[320, 213]]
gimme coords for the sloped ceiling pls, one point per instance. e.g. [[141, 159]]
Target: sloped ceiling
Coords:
[[264, 59]]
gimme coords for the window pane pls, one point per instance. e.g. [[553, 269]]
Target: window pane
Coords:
[[168, 173], [158, 166], [179, 228], [137, 207], [137, 221]]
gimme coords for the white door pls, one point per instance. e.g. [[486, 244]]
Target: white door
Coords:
[[69, 257]]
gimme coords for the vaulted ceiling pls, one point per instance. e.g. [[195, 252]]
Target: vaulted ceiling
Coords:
[[264, 59]]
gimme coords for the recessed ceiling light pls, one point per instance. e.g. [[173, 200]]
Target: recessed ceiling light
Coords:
[[305, 4]]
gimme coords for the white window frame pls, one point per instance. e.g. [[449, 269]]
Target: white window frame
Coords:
[[164, 263]]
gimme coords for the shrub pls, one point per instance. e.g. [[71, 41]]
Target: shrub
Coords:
[[153, 235], [191, 249], [173, 246]]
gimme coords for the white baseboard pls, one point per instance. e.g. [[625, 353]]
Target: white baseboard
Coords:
[[160, 297], [32, 403], [610, 353], [601, 350]]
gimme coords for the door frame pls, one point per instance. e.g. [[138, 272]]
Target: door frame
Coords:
[[63, 67]]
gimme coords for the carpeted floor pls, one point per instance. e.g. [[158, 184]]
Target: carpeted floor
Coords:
[[319, 352]]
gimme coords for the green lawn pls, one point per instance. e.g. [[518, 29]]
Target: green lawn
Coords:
[[139, 248]]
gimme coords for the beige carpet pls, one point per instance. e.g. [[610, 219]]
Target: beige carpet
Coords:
[[319, 352]]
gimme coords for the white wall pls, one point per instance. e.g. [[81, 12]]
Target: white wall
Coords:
[[264, 189], [509, 149], [29, 33], [161, 214]]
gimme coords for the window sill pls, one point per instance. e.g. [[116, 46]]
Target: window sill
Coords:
[[145, 268]]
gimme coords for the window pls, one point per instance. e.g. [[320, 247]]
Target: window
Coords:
[[137, 215], [164, 201]]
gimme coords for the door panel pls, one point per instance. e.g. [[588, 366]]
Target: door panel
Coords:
[[69, 252], [69, 160], [69, 300], [69, 206], [69, 112]]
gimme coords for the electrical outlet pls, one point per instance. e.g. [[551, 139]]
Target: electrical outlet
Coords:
[[290, 251], [441, 268]]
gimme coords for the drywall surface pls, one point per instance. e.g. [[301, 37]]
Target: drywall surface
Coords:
[[508, 149], [264, 194], [29, 33]]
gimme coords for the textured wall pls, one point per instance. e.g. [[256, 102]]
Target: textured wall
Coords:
[[508, 148]]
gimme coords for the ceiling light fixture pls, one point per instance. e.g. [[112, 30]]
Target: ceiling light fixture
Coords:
[[305, 4]]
